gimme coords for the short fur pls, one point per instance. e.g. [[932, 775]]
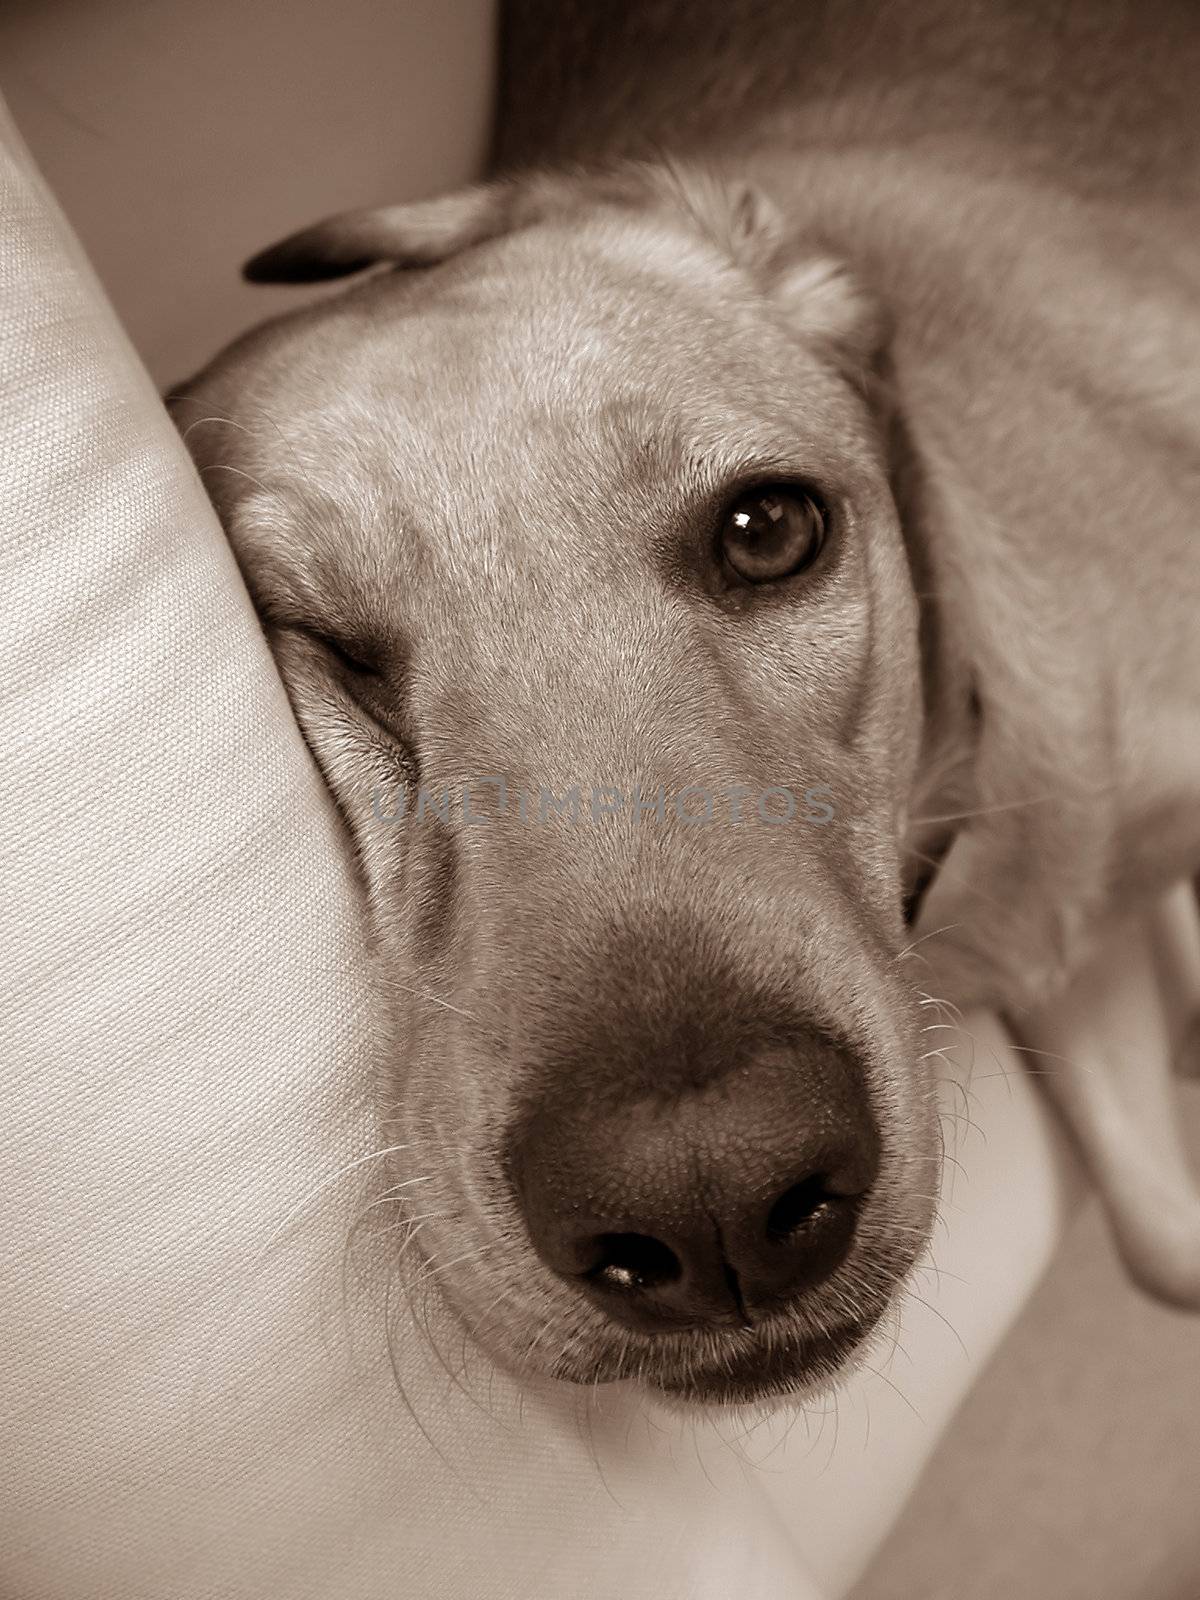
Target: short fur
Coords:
[[944, 267]]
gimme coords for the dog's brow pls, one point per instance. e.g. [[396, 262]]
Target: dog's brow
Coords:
[[728, 449], [297, 583]]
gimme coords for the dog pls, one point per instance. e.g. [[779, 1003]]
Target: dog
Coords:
[[737, 572]]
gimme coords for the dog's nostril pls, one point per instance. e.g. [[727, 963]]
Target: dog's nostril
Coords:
[[713, 1210], [796, 1206], [628, 1261]]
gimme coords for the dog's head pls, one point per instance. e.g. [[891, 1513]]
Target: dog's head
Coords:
[[580, 558]]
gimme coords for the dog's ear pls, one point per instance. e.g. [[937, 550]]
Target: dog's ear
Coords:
[[417, 235], [819, 295], [735, 216], [824, 301]]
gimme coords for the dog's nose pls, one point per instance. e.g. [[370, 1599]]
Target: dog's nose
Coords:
[[707, 1208]]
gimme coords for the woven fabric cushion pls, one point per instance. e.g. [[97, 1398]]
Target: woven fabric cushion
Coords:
[[195, 1383]]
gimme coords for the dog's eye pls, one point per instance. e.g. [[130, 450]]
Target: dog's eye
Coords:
[[351, 657], [770, 534]]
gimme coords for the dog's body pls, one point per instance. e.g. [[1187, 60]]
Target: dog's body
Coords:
[[939, 281]]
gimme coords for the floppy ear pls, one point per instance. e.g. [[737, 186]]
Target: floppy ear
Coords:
[[734, 215], [416, 235], [819, 295], [824, 301]]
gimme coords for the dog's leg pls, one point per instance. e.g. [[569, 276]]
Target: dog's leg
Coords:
[[1124, 1018], [1177, 939]]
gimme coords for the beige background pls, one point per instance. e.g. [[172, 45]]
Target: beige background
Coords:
[[179, 139]]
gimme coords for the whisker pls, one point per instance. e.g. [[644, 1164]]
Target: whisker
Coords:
[[328, 1182], [232, 422], [987, 811], [407, 1403], [240, 472], [910, 1293], [949, 927], [894, 1387], [433, 999]]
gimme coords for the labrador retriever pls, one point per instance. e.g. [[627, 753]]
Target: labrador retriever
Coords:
[[737, 571]]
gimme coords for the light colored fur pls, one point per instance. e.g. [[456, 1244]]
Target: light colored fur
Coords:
[[498, 479]]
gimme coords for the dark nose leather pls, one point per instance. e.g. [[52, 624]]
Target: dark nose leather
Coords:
[[707, 1207]]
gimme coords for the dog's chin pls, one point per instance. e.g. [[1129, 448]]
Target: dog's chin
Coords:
[[789, 1369]]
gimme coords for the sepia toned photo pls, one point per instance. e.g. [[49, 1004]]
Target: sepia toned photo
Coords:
[[600, 772]]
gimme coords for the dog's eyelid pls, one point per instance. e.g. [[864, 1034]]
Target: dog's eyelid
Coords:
[[360, 656], [774, 478], [778, 480]]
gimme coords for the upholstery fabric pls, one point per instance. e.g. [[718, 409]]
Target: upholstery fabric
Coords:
[[196, 1394]]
